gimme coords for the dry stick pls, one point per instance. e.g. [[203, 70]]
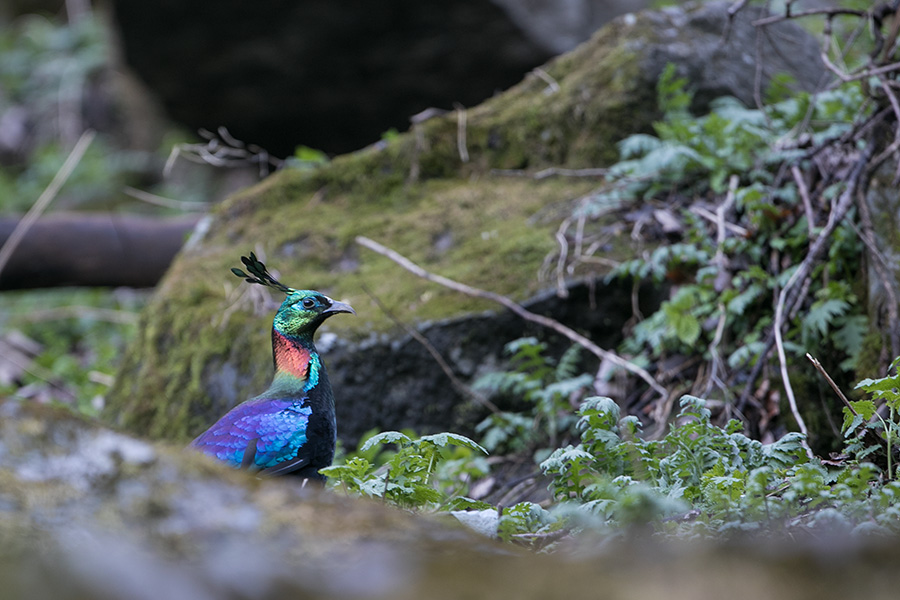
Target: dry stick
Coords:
[[713, 218], [426, 343], [895, 106], [39, 372], [732, 11], [720, 261], [886, 85], [804, 195], [552, 84], [834, 386], [561, 290], [866, 73], [46, 197], [461, 133], [514, 307], [157, 200], [829, 12], [843, 205], [782, 359], [815, 249], [845, 77], [868, 432]]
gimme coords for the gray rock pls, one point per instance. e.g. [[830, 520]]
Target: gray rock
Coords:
[[164, 523]]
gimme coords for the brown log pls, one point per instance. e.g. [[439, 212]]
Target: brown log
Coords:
[[93, 250]]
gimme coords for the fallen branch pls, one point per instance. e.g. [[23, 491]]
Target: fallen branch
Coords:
[[426, 343], [112, 249], [517, 309]]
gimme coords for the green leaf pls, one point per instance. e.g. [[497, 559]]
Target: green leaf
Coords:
[[310, 156], [386, 437], [886, 386], [738, 304], [638, 144], [849, 338], [821, 315], [864, 410], [441, 440]]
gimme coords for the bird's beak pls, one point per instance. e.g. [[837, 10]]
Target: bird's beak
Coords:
[[339, 307]]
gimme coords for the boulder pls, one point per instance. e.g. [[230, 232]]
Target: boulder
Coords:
[[86, 512], [439, 194]]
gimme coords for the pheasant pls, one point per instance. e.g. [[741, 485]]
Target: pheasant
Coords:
[[290, 428]]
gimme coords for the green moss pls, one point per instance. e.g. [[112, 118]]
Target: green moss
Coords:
[[414, 194]]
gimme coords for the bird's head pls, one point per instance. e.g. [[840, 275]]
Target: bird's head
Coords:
[[302, 311]]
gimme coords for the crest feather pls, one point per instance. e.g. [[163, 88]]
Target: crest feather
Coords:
[[259, 274]]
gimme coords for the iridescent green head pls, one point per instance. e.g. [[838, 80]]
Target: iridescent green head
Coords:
[[302, 311]]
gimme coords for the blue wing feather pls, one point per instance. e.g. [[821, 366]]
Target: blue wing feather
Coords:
[[278, 427]]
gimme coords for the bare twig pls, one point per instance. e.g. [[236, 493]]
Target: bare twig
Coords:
[[733, 10], [711, 216], [714, 378], [816, 248], [426, 343], [834, 386], [222, 149], [867, 432], [561, 289], [165, 202], [517, 309], [828, 12], [871, 72], [784, 297], [552, 84], [720, 218], [461, 133], [46, 197], [782, 359], [40, 373], [804, 195], [720, 260]]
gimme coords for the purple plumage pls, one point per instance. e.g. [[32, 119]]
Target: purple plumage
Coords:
[[289, 428], [262, 433]]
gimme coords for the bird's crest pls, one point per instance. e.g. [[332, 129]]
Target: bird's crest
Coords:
[[259, 274]]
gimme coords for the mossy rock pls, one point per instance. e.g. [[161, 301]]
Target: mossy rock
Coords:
[[203, 343], [89, 513]]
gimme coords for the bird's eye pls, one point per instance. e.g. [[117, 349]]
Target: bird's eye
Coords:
[[308, 303]]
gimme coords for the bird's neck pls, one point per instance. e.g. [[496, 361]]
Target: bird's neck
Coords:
[[297, 364]]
